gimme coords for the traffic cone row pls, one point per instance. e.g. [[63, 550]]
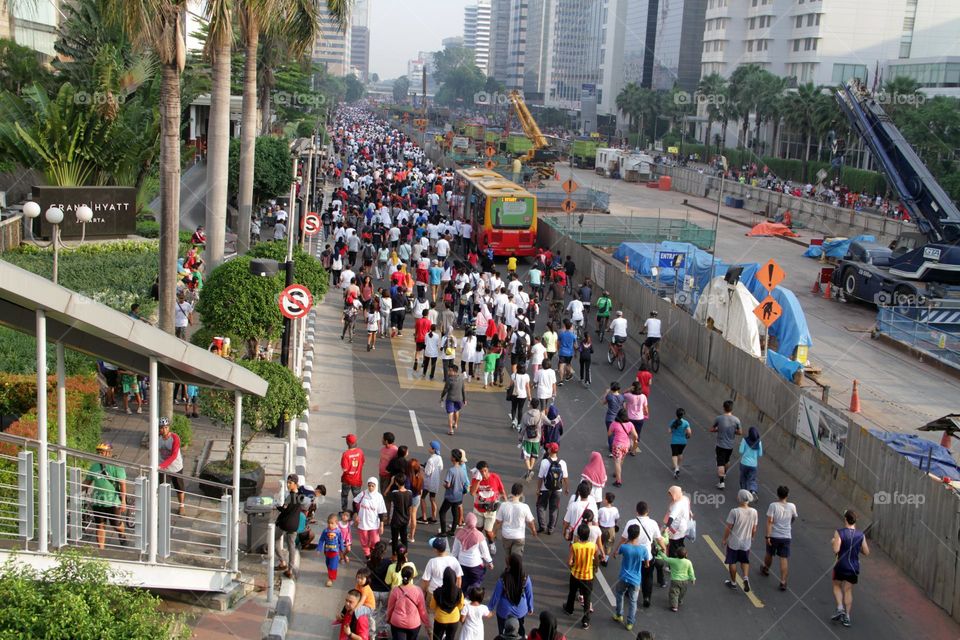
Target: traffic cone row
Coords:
[[855, 398]]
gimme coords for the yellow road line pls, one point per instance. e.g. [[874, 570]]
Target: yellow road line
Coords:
[[716, 551]]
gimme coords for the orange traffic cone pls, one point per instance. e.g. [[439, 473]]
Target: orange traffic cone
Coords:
[[816, 286], [855, 398], [828, 292]]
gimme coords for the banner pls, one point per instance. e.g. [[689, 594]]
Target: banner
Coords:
[[823, 428], [114, 210]]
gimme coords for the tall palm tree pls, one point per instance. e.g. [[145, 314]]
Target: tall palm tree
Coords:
[[711, 88], [218, 47], [742, 93], [290, 26], [801, 113], [626, 102], [157, 25], [769, 105]]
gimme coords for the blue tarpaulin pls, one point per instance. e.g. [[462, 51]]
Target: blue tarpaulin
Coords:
[[835, 248], [783, 365], [921, 453], [790, 329], [696, 261]]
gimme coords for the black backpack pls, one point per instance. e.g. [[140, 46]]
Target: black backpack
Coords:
[[520, 344], [554, 479], [532, 430]]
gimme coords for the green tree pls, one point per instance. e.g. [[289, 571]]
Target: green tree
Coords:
[[802, 114], [460, 85], [273, 167], [401, 88], [355, 88], [449, 60], [20, 67], [374, 78], [712, 90]]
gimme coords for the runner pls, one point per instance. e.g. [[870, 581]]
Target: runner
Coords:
[[848, 543], [780, 517], [738, 536], [727, 428]]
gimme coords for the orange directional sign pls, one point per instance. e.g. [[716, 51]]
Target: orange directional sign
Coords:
[[570, 186], [770, 275], [769, 311], [491, 151], [490, 164], [568, 206]]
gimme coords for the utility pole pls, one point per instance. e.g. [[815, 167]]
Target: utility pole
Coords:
[[288, 265]]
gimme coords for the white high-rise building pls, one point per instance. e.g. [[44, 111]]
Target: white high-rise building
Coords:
[[360, 38], [476, 32], [332, 48]]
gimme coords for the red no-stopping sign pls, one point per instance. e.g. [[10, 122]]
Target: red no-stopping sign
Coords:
[[295, 301], [311, 224]]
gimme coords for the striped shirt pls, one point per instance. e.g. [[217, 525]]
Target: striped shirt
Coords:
[[581, 559]]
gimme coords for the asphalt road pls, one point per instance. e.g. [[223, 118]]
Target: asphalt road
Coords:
[[390, 398]]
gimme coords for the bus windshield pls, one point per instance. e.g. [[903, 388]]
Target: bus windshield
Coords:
[[512, 213]]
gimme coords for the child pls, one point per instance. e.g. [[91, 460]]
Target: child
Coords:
[[608, 516], [346, 518], [473, 614], [681, 574], [552, 430], [680, 432], [490, 365], [331, 545], [193, 395], [580, 560], [363, 586], [131, 387], [393, 577]]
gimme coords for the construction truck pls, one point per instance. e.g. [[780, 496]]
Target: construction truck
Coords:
[[540, 156], [923, 268]]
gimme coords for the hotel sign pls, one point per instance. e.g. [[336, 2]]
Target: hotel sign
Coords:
[[114, 210]]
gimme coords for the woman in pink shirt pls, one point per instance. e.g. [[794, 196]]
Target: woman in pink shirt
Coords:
[[624, 438], [406, 608], [638, 410]]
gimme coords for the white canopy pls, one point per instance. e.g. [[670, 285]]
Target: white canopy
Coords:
[[731, 309]]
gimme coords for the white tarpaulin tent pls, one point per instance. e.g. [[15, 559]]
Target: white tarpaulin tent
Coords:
[[731, 309]]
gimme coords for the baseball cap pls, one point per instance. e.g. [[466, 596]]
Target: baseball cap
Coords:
[[351, 439], [439, 543], [553, 447], [435, 445]]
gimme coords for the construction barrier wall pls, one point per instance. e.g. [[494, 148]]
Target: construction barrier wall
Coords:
[[11, 230], [818, 217], [921, 538]]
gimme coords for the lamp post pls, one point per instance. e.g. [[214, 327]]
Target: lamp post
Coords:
[[54, 216]]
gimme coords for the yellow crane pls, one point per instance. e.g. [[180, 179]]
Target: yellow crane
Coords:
[[539, 155]]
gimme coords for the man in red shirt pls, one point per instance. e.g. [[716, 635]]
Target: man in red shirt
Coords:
[[351, 480], [387, 453], [421, 328], [488, 492], [352, 625]]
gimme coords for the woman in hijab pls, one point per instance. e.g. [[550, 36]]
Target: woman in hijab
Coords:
[[750, 451], [472, 552], [369, 510], [547, 629], [511, 630], [595, 472], [446, 602], [513, 595]]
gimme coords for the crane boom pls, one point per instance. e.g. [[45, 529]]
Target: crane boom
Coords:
[[529, 125]]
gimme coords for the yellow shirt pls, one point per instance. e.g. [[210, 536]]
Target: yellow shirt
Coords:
[[581, 554], [511, 264], [445, 617]]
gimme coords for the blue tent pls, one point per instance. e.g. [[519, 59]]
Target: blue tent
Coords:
[[835, 248], [645, 255]]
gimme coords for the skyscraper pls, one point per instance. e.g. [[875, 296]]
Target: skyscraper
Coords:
[[679, 43], [476, 32], [332, 48], [360, 38]]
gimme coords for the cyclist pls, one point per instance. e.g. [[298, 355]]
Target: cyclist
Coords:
[[604, 305], [577, 317], [535, 278], [651, 329], [618, 327]]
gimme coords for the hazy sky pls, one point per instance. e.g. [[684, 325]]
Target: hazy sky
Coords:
[[401, 28]]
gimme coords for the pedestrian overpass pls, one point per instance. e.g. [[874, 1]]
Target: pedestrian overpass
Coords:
[[42, 509]]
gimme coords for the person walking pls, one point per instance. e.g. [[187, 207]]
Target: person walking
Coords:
[[552, 481], [446, 601], [649, 536], [848, 544], [432, 477], [513, 595], [545, 386], [623, 438], [613, 400], [454, 398], [455, 486], [370, 512], [727, 428], [682, 577], [595, 472], [634, 556], [513, 517], [741, 527], [680, 433], [638, 410], [519, 391], [677, 519], [351, 467], [581, 559], [566, 341], [406, 608], [780, 517], [288, 525], [471, 550], [488, 493], [108, 495], [171, 460], [585, 349], [547, 629], [531, 433], [750, 451]]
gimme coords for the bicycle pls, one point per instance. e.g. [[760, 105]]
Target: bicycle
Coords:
[[602, 323], [651, 356], [617, 354]]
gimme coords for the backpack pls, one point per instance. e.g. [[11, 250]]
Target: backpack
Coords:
[[554, 479], [520, 344], [532, 430]]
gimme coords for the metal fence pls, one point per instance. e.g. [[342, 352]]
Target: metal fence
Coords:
[[551, 197], [943, 346], [610, 231]]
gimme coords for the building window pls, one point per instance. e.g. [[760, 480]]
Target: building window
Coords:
[[753, 23], [810, 19], [749, 46], [844, 72], [799, 21], [796, 44]]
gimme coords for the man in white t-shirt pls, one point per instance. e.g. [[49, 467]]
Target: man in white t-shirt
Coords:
[[432, 576], [513, 517], [780, 517], [182, 316], [651, 328], [545, 385], [650, 537], [618, 327]]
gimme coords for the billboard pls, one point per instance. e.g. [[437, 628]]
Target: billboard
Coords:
[[114, 210], [823, 428]]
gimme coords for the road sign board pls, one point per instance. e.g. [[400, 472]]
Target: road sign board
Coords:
[[769, 311], [671, 259], [311, 224], [570, 185], [568, 206], [490, 164], [673, 150], [770, 275], [420, 122], [491, 151], [295, 301]]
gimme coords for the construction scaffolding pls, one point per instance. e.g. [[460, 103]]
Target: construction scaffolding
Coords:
[[610, 231]]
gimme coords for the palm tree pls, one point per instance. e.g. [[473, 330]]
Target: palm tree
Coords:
[[801, 113], [711, 88], [627, 101], [218, 47], [743, 95], [769, 105], [157, 25], [290, 26]]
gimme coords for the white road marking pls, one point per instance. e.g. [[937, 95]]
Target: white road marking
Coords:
[[416, 428], [606, 589]]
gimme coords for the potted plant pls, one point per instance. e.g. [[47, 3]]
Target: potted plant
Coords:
[[285, 397]]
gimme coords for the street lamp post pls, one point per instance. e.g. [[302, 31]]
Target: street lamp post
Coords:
[[54, 216]]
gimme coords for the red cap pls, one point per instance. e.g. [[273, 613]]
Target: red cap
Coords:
[[553, 447], [351, 439]]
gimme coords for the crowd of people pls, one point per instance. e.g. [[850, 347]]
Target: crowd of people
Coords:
[[396, 244]]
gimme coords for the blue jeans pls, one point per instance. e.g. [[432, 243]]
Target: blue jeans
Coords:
[[748, 478], [630, 590]]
